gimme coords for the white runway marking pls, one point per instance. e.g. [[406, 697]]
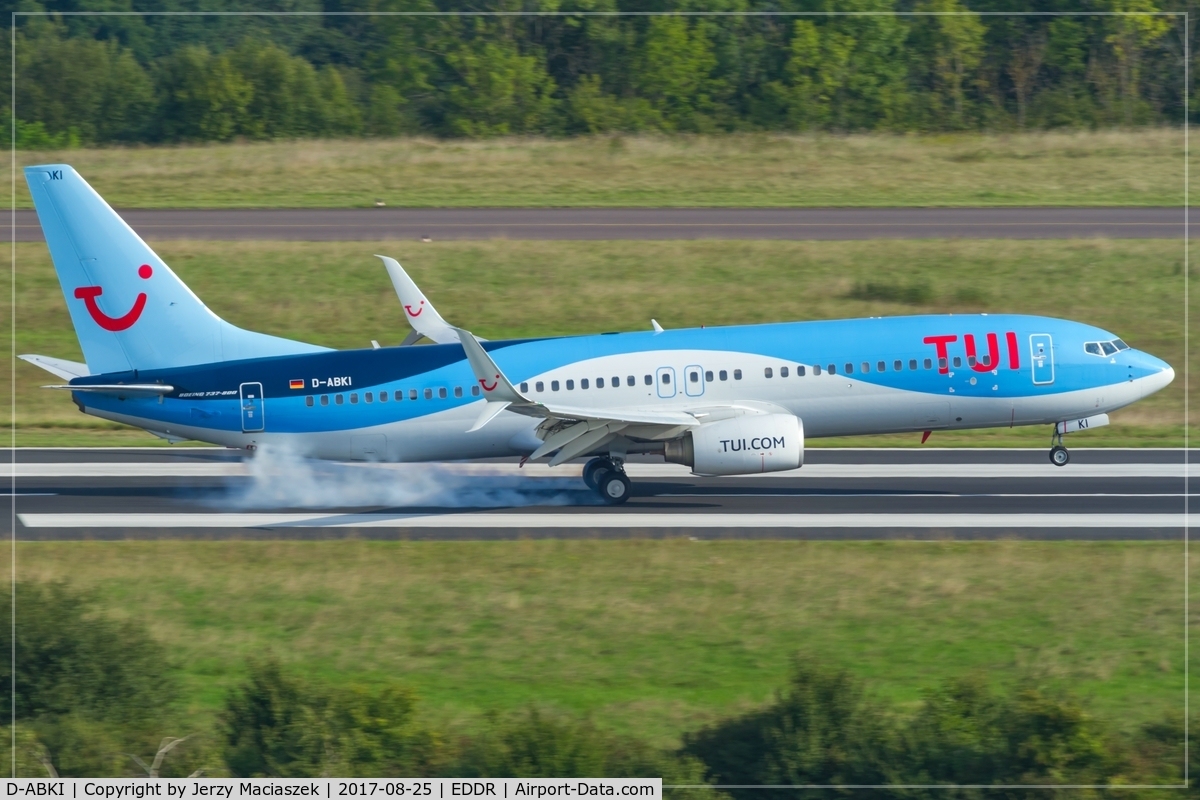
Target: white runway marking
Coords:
[[821, 471], [601, 520]]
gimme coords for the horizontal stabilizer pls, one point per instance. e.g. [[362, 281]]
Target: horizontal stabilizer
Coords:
[[119, 389], [59, 367]]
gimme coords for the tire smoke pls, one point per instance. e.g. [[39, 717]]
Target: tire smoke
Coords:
[[280, 478]]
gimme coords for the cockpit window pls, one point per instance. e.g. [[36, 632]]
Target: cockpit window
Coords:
[[1120, 344], [1093, 348], [1109, 348]]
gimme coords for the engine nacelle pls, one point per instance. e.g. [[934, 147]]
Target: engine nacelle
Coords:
[[741, 446]]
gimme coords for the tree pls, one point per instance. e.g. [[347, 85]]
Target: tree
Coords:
[[498, 91], [203, 96], [950, 39]]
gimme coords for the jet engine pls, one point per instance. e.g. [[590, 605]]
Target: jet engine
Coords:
[[741, 446]]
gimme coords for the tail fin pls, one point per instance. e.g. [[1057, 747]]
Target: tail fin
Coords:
[[129, 309]]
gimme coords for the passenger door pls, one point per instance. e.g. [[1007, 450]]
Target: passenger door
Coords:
[[251, 395], [1041, 355], [693, 381]]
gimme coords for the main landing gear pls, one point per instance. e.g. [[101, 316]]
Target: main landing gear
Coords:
[[606, 477], [1059, 456]]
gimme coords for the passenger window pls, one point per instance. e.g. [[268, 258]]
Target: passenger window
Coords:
[[800, 371], [970, 361], [599, 383], [383, 396], [816, 369], [1109, 348], [866, 366], [570, 386], [767, 372], [554, 386], [369, 397], [832, 368], [308, 401], [898, 365], [929, 363], [849, 368], [539, 386], [942, 362], [583, 383], [1120, 344], [723, 375], [694, 377], [708, 375], [412, 394], [737, 374], [783, 372], [354, 398], [324, 399], [957, 362], [666, 377], [429, 394], [524, 388], [338, 399], [475, 389], [616, 381], [630, 380], [442, 392], [649, 379], [912, 363], [458, 391]]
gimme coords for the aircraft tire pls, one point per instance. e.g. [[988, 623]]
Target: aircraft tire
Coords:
[[592, 468], [1059, 456], [613, 486]]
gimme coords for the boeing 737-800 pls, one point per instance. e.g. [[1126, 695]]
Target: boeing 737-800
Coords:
[[723, 401]]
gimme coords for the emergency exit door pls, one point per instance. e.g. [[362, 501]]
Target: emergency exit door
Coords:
[[252, 407], [1041, 355]]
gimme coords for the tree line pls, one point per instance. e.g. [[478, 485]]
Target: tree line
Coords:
[[97, 698], [916, 66]]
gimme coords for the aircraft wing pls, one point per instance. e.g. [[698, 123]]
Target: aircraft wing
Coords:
[[571, 430], [420, 313]]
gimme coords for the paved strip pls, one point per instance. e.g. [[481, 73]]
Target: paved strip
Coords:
[[371, 224], [634, 470], [617, 519]]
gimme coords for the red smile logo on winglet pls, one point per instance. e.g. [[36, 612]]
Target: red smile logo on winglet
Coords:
[[88, 295], [486, 388], [416, 313]]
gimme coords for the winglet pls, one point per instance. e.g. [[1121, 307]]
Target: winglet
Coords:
[[657, 328], [496, 387], [419, 312]]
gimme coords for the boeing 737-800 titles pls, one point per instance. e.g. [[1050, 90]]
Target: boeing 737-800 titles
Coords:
[[723, 401]]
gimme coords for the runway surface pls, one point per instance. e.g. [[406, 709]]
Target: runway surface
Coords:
[[838, 494], [644, 223]]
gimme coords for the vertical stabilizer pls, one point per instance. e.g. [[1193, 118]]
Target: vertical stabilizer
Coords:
[[130, 311]]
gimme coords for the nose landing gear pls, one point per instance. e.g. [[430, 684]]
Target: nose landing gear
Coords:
[[1059, 455], [606, 476]]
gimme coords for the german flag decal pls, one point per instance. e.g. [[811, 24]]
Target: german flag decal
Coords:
[[296, 383]]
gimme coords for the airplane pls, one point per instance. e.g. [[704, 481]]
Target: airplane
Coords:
[[723, 400]]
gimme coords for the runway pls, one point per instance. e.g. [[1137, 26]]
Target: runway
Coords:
[[205, 493], [373, 224]]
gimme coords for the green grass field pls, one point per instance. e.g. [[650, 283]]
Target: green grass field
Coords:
[[649, 637], [1142, 167], [338, 294]]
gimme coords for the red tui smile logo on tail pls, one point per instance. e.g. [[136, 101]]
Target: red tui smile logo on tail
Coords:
[[486, 388], [416, 313], [88, 295]]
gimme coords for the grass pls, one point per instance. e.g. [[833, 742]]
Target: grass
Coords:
[[651, 637], [337, 294], [1141, 167]]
